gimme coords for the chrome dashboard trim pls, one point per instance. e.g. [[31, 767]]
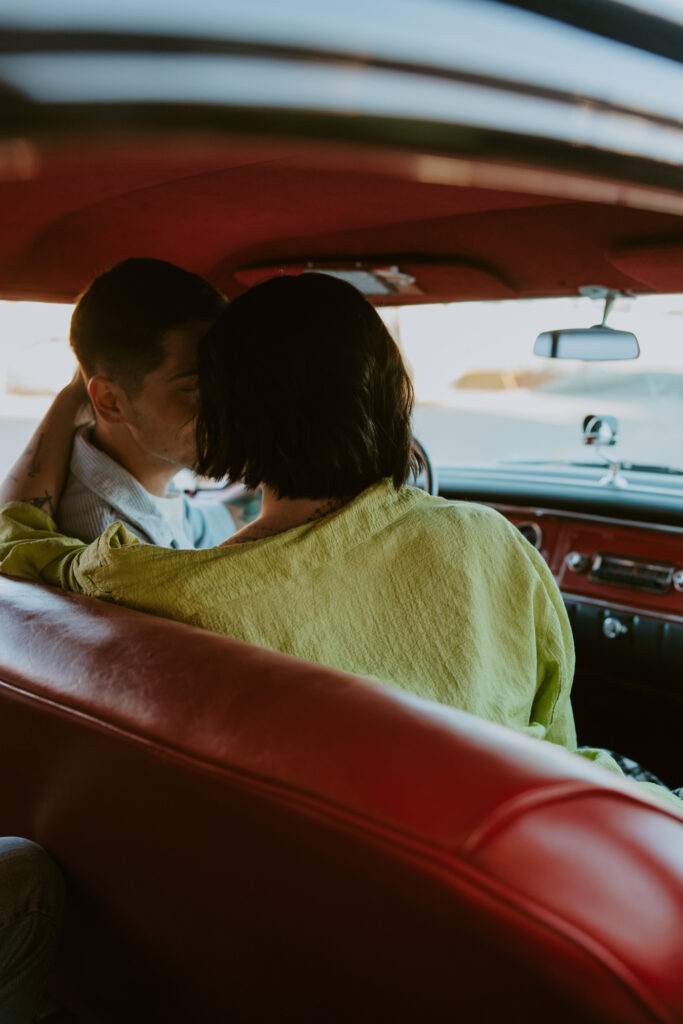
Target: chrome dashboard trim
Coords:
[[626, 609], [539, 513]]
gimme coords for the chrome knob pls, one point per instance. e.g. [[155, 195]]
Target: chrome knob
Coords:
[[678, 580], [612, 628], [577, 562]]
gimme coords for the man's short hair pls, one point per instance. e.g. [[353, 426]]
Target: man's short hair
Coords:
[[302, 388], [118, 324]]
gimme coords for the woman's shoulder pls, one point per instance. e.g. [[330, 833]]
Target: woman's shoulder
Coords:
[[467, 517], [476, 532]]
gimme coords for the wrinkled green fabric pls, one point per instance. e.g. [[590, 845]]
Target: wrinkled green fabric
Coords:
[[439, 598]]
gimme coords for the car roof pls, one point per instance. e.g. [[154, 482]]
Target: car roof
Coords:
[[485, 150]]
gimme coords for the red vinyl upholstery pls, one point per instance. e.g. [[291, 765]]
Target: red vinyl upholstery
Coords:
[[249, 837]]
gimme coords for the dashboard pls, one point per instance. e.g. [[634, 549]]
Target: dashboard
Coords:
[[632, 572], [622, 584]]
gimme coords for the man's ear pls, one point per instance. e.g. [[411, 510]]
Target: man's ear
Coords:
[[108, 399]]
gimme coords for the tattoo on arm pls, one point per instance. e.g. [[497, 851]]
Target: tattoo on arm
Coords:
[[44, 502], [35, 467]]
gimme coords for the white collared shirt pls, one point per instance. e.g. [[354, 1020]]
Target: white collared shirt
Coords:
[[99, 491]]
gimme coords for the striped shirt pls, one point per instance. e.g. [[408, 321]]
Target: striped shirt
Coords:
[[99, 492]]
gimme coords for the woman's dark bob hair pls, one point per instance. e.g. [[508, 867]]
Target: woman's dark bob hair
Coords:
[[302, 388]]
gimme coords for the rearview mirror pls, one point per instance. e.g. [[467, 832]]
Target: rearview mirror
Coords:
[[587, 343]]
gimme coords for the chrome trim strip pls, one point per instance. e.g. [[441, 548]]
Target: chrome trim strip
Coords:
[[627, 609], [587, 516]]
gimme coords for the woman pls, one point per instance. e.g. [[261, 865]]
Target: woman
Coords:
[[303, 392]]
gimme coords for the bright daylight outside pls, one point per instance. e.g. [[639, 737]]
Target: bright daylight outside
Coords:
[[482, 395]]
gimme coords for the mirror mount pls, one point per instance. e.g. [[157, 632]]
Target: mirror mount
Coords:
[[601, 291], [609, 302]]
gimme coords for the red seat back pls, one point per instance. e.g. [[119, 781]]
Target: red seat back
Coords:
[[250, 837]]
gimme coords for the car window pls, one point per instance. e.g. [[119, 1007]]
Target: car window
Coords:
[[35, 362]]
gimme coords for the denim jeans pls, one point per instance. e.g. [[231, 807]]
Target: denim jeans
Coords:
[[31, 907]]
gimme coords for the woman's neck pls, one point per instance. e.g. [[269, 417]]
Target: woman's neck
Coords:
[[281, 514]]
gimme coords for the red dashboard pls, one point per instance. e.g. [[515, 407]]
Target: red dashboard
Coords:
[[623, 589], [597, 560]]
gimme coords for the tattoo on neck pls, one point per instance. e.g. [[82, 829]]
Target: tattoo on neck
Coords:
[[324, 510], [256, 531]]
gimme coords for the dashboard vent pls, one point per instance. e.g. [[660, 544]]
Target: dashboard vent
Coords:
[[655, 577]]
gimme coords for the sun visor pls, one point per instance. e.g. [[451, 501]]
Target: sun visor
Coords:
[[659, 265], [393, 281]]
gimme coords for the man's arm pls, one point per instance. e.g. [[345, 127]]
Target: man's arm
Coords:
[[39, 474]]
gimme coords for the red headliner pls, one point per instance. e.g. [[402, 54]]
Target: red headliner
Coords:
[[218, 207]]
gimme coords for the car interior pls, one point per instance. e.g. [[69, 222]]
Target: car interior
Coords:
[[458, 244], [251, 837]]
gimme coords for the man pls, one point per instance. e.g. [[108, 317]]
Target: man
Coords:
[[135, 332]]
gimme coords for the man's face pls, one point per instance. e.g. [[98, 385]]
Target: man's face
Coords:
[[162, 415]]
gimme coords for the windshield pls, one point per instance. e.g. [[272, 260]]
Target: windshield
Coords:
[[483, 397]]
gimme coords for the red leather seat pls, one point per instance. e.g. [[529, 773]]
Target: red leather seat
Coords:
[[249, 837]]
